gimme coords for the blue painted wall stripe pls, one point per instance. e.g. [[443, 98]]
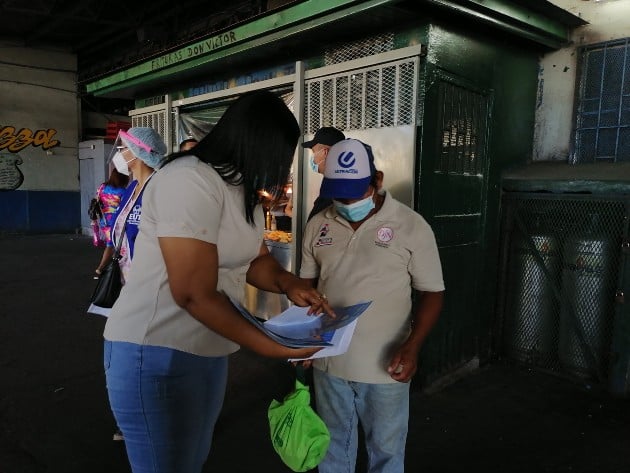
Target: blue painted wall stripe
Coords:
[[40, 211]]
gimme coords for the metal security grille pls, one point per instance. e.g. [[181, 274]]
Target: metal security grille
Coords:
[[561, 264], [371, 97], [155, 120], [175, 137], [603, 112], [464, 117], [358, 49]]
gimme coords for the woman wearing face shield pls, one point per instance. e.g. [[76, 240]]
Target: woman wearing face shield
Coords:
[[201, 239], [138, 152]]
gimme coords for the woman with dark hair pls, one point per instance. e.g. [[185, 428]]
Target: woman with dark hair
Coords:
[[108, 195], [201, 238]]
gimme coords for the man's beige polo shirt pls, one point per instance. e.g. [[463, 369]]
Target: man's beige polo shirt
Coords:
[[391, 253]]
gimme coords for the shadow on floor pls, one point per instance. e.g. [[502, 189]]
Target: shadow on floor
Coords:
[[54, 415]]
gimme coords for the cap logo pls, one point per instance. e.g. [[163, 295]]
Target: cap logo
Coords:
[[346, 160]]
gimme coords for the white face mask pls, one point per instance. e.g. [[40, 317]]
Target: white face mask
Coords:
[[121, 165]]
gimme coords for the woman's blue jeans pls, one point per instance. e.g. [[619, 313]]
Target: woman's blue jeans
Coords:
[[166, 402], [382, 409]]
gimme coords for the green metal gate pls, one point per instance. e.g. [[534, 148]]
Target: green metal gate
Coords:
[[453, 198]]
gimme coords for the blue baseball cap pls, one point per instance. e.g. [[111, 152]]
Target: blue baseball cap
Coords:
[[348, 171]]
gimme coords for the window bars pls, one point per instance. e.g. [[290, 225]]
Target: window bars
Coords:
[[463, 122], [602, 131]]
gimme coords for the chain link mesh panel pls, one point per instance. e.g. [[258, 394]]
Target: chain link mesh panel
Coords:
[[370, 97], [361, 48], [561, 260]]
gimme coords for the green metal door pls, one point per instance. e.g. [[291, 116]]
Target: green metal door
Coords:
[[452, 196]]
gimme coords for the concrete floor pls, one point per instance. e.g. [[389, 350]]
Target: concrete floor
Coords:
[[54, 415]]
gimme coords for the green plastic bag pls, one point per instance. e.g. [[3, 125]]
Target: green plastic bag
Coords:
[[297, 433]]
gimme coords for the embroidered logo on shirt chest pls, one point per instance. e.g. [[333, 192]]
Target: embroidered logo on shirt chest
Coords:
[[384, 235], [323, 239]]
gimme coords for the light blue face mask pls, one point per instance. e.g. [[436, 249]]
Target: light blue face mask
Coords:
[[356, 211], [311, 162]]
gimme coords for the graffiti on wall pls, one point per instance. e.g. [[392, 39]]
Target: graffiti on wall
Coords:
[[10, 175], [15, 140]]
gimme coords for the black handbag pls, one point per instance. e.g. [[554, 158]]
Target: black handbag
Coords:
[[109, 283]]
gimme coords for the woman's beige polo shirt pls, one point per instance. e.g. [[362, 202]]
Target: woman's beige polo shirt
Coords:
[[188, 199]]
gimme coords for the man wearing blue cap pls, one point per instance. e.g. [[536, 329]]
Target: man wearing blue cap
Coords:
[[369, 247]]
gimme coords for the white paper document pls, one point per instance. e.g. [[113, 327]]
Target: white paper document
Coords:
[[97, 310], [340, 341], [295, 328]]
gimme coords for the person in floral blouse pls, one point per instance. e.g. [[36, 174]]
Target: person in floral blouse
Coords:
[[109, 194]]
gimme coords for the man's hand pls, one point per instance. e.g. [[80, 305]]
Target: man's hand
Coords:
[[404, 363]]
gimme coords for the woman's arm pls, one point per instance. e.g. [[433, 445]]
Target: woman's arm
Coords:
[[192, 267], [267, 274], [108, 252]]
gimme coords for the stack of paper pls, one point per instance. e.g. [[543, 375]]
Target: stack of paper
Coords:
[[295, 328]]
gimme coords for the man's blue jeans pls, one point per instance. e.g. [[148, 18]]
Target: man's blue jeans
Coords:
[[166, 403], [382, 409]]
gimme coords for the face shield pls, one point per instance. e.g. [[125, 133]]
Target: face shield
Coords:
[[120, 156]]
